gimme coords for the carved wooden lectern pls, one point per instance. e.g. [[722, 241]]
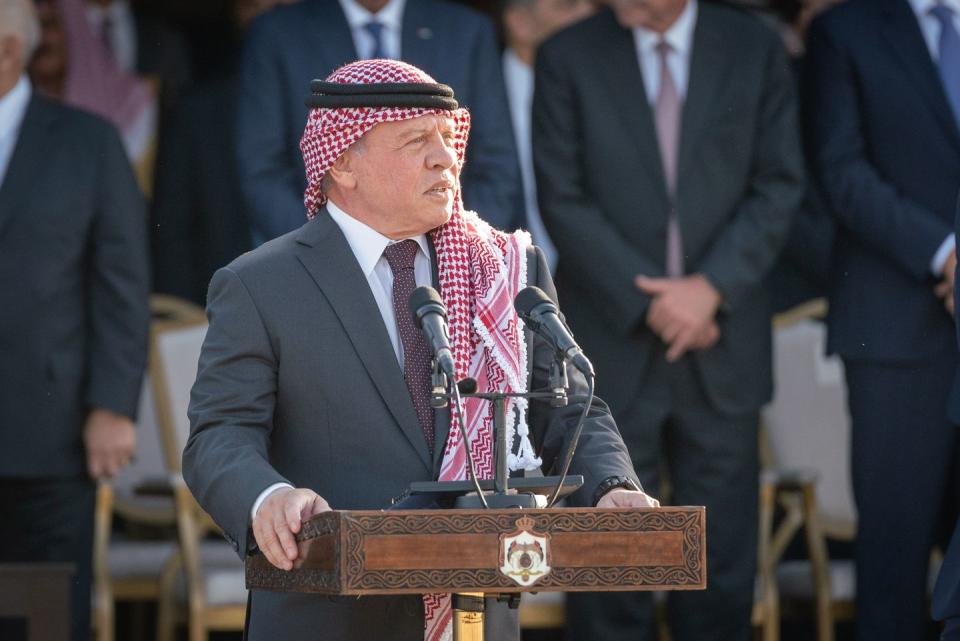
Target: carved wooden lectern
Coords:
[[476, 552]]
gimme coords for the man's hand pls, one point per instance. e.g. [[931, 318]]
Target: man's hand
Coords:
[[681, 312], [944, 289], [110, 440], [279, 518], [622, 497], [949, 271]]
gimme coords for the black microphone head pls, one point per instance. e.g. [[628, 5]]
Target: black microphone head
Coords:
[[426, 299], [467, 385], [529, 298]]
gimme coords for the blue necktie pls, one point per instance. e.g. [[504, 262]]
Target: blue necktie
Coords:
[[375, 29], [949, 58]]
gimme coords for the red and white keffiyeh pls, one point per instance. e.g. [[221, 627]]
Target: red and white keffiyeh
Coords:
[[481, 270]]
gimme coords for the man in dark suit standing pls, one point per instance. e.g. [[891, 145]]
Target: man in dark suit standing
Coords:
[[668, 166], [313, 375], [73, 330], [883, 91], [288, 46]]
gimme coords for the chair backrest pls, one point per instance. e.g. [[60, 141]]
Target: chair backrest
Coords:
[[174, 353], [807, 422]]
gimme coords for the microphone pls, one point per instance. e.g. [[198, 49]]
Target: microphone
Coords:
[[430, 315], [540, 315]]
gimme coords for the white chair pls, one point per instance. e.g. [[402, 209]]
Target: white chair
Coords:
[[807, 430], [135, 568], [211, 595]]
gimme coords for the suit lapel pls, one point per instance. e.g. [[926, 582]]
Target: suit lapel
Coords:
[[325, 254], [617, 61], [27, 159], [902, 31], [707, 69], [417, 35], [333, 35]]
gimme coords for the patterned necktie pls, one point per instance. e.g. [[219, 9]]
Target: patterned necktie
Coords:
[[667, 115], [948, 61], [375, 29], [416, 354]]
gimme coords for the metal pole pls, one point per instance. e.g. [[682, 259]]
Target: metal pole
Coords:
[[468, 616]]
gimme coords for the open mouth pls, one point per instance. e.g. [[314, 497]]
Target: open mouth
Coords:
[[441, 189]]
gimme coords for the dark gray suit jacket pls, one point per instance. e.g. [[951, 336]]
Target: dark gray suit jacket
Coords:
[[298, 382], [73, 273], [291, 45], [603, 196]]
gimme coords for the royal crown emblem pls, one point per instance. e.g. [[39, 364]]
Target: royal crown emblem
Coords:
[[524, 554]]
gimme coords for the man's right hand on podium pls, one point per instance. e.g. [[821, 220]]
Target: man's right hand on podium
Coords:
[[278, 520]]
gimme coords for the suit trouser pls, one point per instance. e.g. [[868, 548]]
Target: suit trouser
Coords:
[[712, 460], [903, 448], [51, 520]]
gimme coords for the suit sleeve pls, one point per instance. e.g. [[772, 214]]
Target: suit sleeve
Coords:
[[491, 176], [874, 210], [743, 253], [577, 225], [225, 461], [271, 179], [601, 452], [118, 278]]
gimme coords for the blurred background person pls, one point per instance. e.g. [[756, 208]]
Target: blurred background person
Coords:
[[199, 218], [525, 24], [802, 272], [290, 46], [882, 86], [667, 227], [73, 330]]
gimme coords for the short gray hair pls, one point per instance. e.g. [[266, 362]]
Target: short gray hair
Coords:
[[19, 18]]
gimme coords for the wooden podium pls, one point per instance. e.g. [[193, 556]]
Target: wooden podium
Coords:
[[493, 552]]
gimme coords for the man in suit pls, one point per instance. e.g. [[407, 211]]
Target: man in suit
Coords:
[[668, 166], [73, 330], [883, 91], [287, 46], [313, 384], [526, 24]]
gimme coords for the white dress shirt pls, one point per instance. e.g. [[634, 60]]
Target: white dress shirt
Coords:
[[391, 17], [367, 246], [930, 27], [680, 38], [123, 31], [13, 107], [518, 77]]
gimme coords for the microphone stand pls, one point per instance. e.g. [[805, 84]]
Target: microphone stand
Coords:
[[472, 494]]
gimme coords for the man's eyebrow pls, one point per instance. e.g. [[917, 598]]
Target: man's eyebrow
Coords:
[[413, 132]]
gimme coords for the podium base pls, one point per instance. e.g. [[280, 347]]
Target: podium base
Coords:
[[468, 610]]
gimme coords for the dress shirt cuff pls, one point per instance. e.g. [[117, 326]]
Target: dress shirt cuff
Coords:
[[263, 497], [940, 258]]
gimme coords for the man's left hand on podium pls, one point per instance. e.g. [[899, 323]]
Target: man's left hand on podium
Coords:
[[621, 497]]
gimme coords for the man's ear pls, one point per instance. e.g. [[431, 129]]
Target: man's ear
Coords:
[[342, 173]]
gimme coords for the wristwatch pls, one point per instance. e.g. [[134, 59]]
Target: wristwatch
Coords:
[[612, 482]]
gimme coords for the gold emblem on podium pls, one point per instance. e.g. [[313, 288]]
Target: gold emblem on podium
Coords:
[[524, 554]]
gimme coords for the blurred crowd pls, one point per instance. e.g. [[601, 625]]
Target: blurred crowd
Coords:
[[690, 168]]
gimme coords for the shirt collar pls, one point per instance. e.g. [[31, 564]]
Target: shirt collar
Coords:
[[679, 36], [13, 106], [391, 16], [118, 10], [923, 7], [367, 243]]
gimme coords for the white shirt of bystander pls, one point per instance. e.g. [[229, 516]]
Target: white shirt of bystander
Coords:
[[13, 107]]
